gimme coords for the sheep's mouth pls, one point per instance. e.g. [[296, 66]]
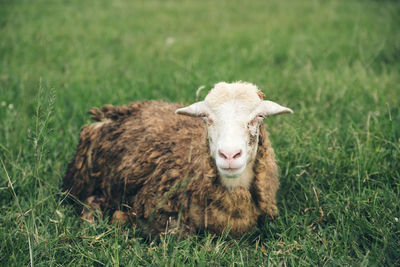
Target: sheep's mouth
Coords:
[[231, 169], [231, 172]]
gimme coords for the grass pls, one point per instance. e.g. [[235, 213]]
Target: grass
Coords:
[[335, 63]]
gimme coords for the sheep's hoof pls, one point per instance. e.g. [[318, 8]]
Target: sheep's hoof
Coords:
[[172, 227], [92, 209], [119, 217], [272, 211]]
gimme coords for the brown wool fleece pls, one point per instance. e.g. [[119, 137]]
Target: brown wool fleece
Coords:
[[155, 164]]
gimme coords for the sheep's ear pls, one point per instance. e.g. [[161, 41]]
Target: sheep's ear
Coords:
[[198, 109], [269, 108]]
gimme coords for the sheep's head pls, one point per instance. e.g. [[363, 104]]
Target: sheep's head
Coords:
[[233, 114]]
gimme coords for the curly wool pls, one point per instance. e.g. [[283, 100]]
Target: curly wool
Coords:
[[155, 164]]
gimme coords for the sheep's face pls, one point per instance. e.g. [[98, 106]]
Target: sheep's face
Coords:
[[233, 114]]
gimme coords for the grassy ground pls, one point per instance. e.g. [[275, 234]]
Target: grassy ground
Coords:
[[335, 63]]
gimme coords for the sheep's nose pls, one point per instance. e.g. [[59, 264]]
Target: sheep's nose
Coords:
[[229, 155]]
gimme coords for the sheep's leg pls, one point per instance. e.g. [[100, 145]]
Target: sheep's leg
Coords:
[[92, 207]]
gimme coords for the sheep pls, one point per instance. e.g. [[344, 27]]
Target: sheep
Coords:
[[167, 172]]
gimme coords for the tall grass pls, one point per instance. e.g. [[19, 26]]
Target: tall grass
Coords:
[[335, 63]]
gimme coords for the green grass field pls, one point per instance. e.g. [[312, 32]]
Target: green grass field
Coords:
[[335, 63]]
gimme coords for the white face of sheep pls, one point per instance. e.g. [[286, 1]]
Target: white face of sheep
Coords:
[[233, 130]]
